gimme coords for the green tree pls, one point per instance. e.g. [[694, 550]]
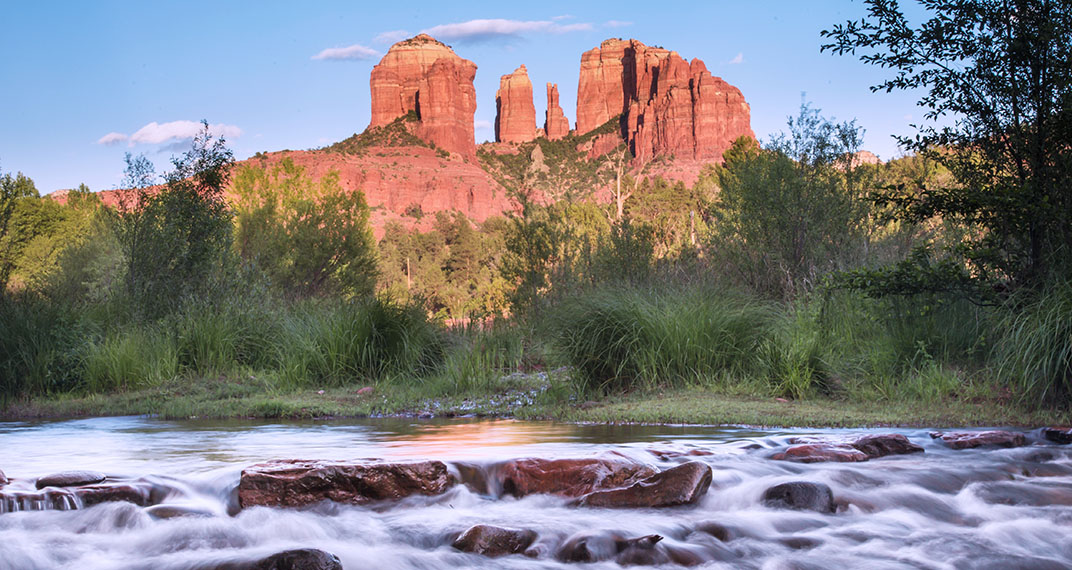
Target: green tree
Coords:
[[789, 213], [176, 238], [996, 77], [14, 190], [311, 237]]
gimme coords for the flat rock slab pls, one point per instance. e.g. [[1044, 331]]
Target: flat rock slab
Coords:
[[569, 477], [140, 493], [972, 439], [71, 479], [680, 485], [814, 450], [493, 541], [298, 483]]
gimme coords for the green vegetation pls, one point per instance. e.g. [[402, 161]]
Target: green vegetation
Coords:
[[399, 133]]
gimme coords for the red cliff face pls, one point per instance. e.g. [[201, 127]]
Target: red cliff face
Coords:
[[515, 114], [424, 76], [556, 125], [669, 107]]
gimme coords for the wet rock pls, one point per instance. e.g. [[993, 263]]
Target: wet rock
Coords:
[[297, 483], [881, 445], [680, 485], [972, 439], [569, 477], [717, 530], [818, 452], [668, 454], [1062, 436], [161, 512], [493, 541], [800, 542], [642, 551], [594, 547], [3, 479], [71, 479], [800, 495], [141, 494], [298, 559]]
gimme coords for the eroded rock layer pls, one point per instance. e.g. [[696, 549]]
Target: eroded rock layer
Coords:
[[515, 116], [555, 125], [424, 76], [667, 106]]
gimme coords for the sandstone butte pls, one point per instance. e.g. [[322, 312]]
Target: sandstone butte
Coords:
[[515, 113], [668, 106], [424, 76], [556, 125]]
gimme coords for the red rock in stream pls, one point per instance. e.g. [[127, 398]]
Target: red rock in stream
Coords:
[[819, 452], [297, 483], [972, 439], [569, 477], [488, 540], [70, 479], [680, 485], [883, 444]]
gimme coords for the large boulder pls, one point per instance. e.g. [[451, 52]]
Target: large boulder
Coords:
[[71, 479], [569, 477], [424, 76], [800, 495], [972, 439], [680, 485], [297, 483], [493, 541], [515, 113]]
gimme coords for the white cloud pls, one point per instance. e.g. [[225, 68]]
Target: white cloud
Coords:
[[495, 29], [391, 37], [737, 60], [563, 17], [483, 124], [616, 24], [112, 138], [173, 132], [356, 51]]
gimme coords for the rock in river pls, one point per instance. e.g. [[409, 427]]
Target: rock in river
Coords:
[[297, 483], [680, 485], [570, 477], [800, 495], [71, 479], [972, 439], [494, 541]]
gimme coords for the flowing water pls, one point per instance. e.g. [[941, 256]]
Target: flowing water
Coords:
[[979, 508]]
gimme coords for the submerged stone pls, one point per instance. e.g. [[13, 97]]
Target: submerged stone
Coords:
[[493, 541], [800, 495], [71, 479]]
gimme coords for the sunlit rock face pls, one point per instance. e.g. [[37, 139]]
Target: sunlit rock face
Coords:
[[424, 76], [668, 106], [515, 118]]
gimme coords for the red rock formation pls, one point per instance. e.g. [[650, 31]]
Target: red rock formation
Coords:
[[555, 125], [669, 107], [424, 76], [515, 114]]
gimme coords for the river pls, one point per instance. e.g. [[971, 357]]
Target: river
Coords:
[[942, 509]]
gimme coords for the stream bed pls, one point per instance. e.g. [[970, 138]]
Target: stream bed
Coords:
[[942, 508]]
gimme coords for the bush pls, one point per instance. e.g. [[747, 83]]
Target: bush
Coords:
[[619, 338], [1035, 351]]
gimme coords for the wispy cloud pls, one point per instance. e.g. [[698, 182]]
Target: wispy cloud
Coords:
[[483, 124], [356, 51], [391, 37], [616, 24], [563, 17], [112, 139], [499, 29], [172, 132], [737, 60]]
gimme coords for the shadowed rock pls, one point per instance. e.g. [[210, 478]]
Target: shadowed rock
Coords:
[[3, 479], [1061, 436], [298, 559], [597, 546], [493, 541], [71, 479], [800, 495], [881, 445], [569, 477], [297, 483], [680, 485]]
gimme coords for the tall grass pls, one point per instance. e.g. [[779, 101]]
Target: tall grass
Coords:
[[1034, 352], [620, 338], [40, 346]]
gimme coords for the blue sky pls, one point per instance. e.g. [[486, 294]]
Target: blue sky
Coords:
[[86, 82]]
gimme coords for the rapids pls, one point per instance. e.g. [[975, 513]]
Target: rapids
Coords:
[[941, 509]]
